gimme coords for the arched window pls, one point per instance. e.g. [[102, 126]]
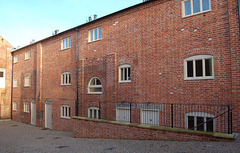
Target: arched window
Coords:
[[95, 86], [199, 67]]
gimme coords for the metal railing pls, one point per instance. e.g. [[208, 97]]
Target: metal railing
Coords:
[[204, 117]]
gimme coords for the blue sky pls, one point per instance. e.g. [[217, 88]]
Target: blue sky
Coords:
[[24, 20]]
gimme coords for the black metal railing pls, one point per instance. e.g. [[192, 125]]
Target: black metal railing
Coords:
[[204, 117]]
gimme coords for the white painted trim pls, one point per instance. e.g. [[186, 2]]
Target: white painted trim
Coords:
[[66, 113], [119, 73], [192, 14], [93, 108], [3, 79]]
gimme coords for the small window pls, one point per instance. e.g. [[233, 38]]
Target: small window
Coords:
[[93, 112], [200, 121], [15, 83], [65, 111], [95, 34], [66, 43], [125, 73], [2, 78], [27, 81], [66, 78], [26, 108], [15, 106], [15, 59], [27, 55], [199, 67], [191, 7], [95, 86]]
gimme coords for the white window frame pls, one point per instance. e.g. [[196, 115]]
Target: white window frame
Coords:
[[16, 59], [65, 112], [27, 81], [15, 83], [94, 33], [26, 107], [126, 66], [66, 43], [201, 8], [91, 112], [3, 79], [199, 114], [66, 78], [27, 55], [94, 86], [194, 59], [15, 108]]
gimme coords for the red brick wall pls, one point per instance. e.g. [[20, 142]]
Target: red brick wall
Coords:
[[6, 64], [92, 129]]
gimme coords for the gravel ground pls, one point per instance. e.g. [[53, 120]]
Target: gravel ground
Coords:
[[22, 138]]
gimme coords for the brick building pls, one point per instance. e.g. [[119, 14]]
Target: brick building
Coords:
[[160, 51], [5, 78]]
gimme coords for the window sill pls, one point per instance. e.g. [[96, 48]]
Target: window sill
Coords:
[[65, 84], [27, 86], [94, 40], [97, 93], [200, 78], [27, 112], [27, 59], [62, 49], [125, 81], [65, 117], [196, 14]]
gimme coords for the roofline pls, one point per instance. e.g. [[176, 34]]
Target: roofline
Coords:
[[114, 13]]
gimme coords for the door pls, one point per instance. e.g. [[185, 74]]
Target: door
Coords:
[[33, 113], [48, 116], [123, 115], [150, 117]]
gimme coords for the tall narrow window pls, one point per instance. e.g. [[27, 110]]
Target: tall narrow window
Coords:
[[66, 78], [15, 59], [95, 34], [66, 43], [191, 7], [65, 111], [15, 106], [26, 108], [125, 73], [15, 83], [95, 86], [199, 67], [27, 55], [27, 81]]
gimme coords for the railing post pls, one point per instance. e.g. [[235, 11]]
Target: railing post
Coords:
[[130, 112], [99, 113], [229, 119], [172, 114]]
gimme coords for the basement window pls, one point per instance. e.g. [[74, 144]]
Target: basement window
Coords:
[[199, 67], [200, 121], [93, 112]]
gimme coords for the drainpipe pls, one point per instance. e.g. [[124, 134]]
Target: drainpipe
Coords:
[[12, 86], [239, 15], [77, 100]]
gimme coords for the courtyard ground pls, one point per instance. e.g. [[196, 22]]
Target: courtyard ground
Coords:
[[18, 137]]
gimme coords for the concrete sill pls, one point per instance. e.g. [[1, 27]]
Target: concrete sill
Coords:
[[213, 134]]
